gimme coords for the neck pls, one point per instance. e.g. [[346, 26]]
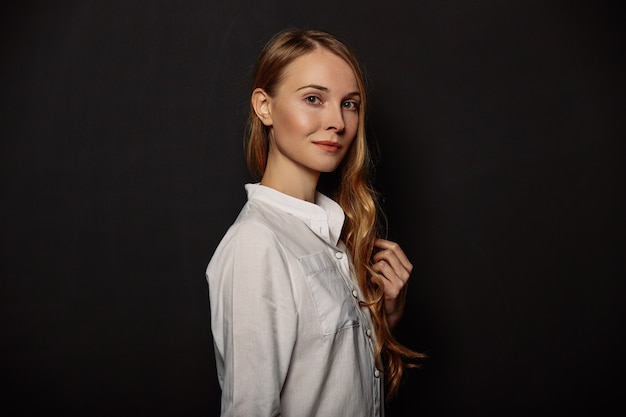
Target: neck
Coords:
[[291, 179]]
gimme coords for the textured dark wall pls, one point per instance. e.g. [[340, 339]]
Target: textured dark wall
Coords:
[[501, 133]]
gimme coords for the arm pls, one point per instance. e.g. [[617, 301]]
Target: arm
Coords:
[[395, 269], [255, 321]]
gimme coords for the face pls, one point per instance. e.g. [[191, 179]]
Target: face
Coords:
[[313, 116]]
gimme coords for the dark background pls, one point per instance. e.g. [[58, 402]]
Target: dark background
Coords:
[[501, 134]]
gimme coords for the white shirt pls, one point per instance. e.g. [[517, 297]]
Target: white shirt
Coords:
[[290, 338]]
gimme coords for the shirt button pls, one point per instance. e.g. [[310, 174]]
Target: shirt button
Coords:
[[368, 332], [338, 255], [376, 373], [355, 294]]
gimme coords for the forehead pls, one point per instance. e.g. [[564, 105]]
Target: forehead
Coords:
[[320, 67]]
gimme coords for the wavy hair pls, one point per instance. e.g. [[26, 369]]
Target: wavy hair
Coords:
[[353, 190]]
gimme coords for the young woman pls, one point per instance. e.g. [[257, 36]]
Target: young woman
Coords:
[[303, 292]]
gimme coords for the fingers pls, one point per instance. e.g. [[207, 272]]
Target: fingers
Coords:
[[393, 266], [394, 280], [392, 254], [395, 269]]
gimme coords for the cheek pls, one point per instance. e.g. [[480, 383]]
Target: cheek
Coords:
[[352, 125], [296, 122]]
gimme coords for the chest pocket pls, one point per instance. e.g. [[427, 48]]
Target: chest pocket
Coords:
[[332, 298]]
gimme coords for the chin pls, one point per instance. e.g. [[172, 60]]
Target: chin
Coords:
[[326, 170]]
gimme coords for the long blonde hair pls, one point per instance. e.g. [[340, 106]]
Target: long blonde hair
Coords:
[[354, 192]]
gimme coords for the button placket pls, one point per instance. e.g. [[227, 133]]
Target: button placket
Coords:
[[344, 269]]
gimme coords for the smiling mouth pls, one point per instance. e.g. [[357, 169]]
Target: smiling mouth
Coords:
[[328, 146]]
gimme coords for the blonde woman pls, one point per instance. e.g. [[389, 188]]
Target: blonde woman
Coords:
[[303, 291]]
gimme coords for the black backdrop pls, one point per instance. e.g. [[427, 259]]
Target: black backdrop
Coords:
[[500, 127]]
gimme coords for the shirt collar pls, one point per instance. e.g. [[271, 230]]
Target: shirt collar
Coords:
[[324, 217]]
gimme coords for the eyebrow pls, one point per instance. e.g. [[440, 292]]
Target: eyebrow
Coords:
[[325, 89]]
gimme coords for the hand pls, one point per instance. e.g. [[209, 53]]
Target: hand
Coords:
[[395, 269]]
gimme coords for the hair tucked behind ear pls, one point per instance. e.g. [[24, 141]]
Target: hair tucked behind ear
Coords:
[[354, 192]]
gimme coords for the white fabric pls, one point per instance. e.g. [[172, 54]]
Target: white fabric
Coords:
[[290, 338]]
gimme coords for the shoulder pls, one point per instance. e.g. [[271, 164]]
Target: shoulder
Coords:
[[256, 221], [252, 235], [262, 232], [249, 250]]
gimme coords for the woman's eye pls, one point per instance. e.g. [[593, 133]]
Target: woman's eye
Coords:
[[351, 105], [312, 100]]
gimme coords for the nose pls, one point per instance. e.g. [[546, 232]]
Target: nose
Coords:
[[334, 119]]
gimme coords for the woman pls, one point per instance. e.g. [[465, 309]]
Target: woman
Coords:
[[303, 292]]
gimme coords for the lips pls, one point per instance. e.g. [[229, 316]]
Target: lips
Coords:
[[328, 145]]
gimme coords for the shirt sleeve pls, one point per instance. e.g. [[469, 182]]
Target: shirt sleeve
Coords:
[[253, 318]]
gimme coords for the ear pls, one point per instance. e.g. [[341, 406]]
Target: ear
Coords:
[[261, 105]]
